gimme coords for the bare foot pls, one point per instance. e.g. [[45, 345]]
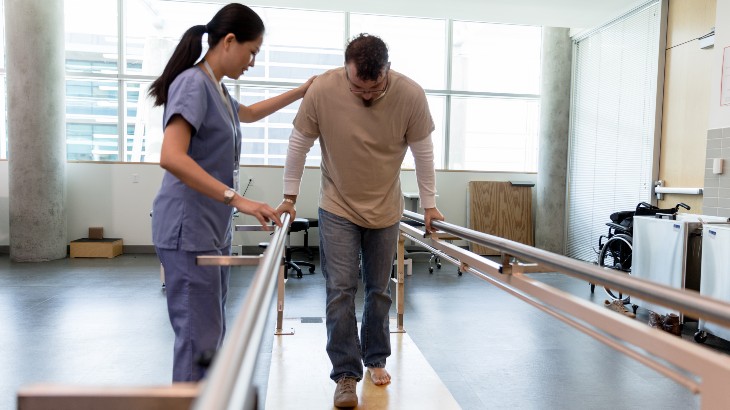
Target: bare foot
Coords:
[[379, 375]]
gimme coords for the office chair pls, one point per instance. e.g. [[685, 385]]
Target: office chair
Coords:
[[297, 225], [313, 223], [434, 259]]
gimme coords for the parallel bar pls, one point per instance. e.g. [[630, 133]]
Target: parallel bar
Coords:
[[228, 260], [608, 316], [280, 297], [527, 268], [400, 284], [44, 396], [249, 228], [229, 383], [700, 370], [437, 235], [688, 302]]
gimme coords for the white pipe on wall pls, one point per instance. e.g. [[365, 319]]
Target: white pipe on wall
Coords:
[[673, 190]]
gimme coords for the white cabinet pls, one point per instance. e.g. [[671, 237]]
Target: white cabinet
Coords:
[[668, 252], [715, 281]]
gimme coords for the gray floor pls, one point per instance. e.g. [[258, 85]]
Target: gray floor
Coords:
[[104, 322]]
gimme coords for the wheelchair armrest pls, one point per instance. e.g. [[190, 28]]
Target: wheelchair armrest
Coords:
[[617, 228]]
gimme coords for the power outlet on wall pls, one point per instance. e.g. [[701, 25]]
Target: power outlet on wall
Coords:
[[135, 178]]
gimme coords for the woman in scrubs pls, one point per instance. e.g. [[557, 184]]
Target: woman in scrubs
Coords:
[[201, 148]]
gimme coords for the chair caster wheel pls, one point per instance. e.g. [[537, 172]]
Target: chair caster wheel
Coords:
[[700, 336], [311, 270], [430, 269]]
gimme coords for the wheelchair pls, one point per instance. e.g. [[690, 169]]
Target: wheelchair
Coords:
[[615, 248]]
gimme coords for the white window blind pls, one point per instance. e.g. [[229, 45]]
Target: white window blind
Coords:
[[613, 129]]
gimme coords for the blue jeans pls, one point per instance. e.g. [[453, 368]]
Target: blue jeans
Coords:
[[196, 304], [342, 244]]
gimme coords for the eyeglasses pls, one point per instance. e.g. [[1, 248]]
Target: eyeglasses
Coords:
[[361, 92]]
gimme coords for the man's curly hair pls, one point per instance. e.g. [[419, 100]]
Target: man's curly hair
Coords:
[[370, 55]]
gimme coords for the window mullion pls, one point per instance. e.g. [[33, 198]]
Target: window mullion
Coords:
[[121, 69], [447, 105]]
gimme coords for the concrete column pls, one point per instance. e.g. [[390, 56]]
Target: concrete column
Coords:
[[557, 55], [36, 129]]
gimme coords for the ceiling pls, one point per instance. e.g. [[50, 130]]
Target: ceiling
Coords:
[[574, 14], [555, 13]]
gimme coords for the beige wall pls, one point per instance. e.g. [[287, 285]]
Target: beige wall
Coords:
[[106, 195], [716, 198]]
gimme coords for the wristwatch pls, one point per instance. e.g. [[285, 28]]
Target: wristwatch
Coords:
[[228, 196]]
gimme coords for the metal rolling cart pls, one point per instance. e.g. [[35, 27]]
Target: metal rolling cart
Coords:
[[667, 249], [715, 281]]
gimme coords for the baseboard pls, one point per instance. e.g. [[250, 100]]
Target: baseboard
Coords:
[[139, 249]]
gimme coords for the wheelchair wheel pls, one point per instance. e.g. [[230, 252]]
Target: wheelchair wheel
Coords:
[[616, 255]]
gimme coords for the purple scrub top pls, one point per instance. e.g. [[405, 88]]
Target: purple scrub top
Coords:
[[183, 218]]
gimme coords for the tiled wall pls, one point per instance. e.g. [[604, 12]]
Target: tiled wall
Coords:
[[716, 194]]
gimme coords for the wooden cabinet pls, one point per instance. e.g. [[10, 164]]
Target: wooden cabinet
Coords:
[[502, 209]]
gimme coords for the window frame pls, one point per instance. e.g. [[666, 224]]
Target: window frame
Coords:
[[123, 79]]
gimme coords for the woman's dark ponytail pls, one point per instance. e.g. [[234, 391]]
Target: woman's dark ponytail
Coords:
[[185, 55]]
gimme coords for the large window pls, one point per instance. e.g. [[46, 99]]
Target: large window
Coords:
[[494, 134], [494, 122], [481, 80], [92, 87], [298, 45], [424, 61], [91, 120]]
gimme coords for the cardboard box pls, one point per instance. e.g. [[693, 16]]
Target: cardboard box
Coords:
[[96, 248], [96, 232]]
